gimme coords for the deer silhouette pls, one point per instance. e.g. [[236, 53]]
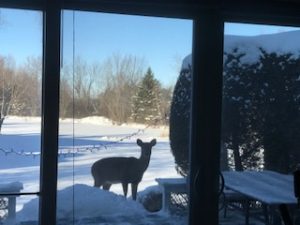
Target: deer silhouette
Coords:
[[125, 170]]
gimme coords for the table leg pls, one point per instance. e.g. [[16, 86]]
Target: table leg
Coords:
[[166, 200], [285, 215], [11, 207], [246, 206], [266, 214]]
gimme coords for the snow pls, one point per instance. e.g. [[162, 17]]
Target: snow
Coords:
[[88, 202], [9, 187], [172, 181], [186, 62], [281, 43], [93, 138]]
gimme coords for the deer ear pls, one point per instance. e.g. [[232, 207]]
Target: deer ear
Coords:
[[139, 142], [153, 142]]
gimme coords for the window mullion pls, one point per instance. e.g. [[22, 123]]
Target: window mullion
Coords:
[[50, 112], [206, 118]]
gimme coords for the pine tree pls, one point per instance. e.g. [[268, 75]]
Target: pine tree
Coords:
[[146, 104]]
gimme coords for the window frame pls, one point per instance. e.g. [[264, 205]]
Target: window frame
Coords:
[[209, 19], [50, 112]]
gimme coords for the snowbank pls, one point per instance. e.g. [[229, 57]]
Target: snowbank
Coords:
[[97, 120], [281, 43], [96, 206], [23, 118], [88, 202], [9, 187]]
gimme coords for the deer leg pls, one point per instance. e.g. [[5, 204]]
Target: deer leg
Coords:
[[125, 188], [97, 183], [134, 190], [106, 186]]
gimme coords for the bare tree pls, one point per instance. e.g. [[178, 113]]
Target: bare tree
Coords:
[[103, 89], [66, 93], [7, 85], [10, 89], [78, 88], [32, 72], [20, 89], [85, 88], [121, 77]]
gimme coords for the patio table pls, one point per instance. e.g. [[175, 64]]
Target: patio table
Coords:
[[268, 187], [5, 190], [171, 185]]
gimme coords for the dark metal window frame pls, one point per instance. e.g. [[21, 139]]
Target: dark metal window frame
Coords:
[[209, 18]]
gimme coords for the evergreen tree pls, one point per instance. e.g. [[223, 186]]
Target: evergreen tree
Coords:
[[278, 109], [146, 103], [238, 115], [261, 112], [180, 121]]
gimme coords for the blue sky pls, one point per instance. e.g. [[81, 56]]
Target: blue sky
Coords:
[[155, 40], [253, 29], [160, 42]]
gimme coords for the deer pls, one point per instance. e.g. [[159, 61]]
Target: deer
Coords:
[[124, 170]]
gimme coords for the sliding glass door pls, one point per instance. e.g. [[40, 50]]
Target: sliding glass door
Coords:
[[124, 121]]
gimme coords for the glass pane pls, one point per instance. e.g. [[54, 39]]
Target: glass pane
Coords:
[[20, 112], [260, 130], [117, 83]]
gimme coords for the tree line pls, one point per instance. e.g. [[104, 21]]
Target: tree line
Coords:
[[119, 88], [20, 88]]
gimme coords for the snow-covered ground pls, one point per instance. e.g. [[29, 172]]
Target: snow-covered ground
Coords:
[[83, 142]]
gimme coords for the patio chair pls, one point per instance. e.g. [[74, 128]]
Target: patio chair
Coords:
[[230, 198]]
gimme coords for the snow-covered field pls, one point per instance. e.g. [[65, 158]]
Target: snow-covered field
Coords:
[[83, 142]]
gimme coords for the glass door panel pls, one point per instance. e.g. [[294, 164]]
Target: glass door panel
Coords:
[[260, 130], [20, 114], [116, 98]]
